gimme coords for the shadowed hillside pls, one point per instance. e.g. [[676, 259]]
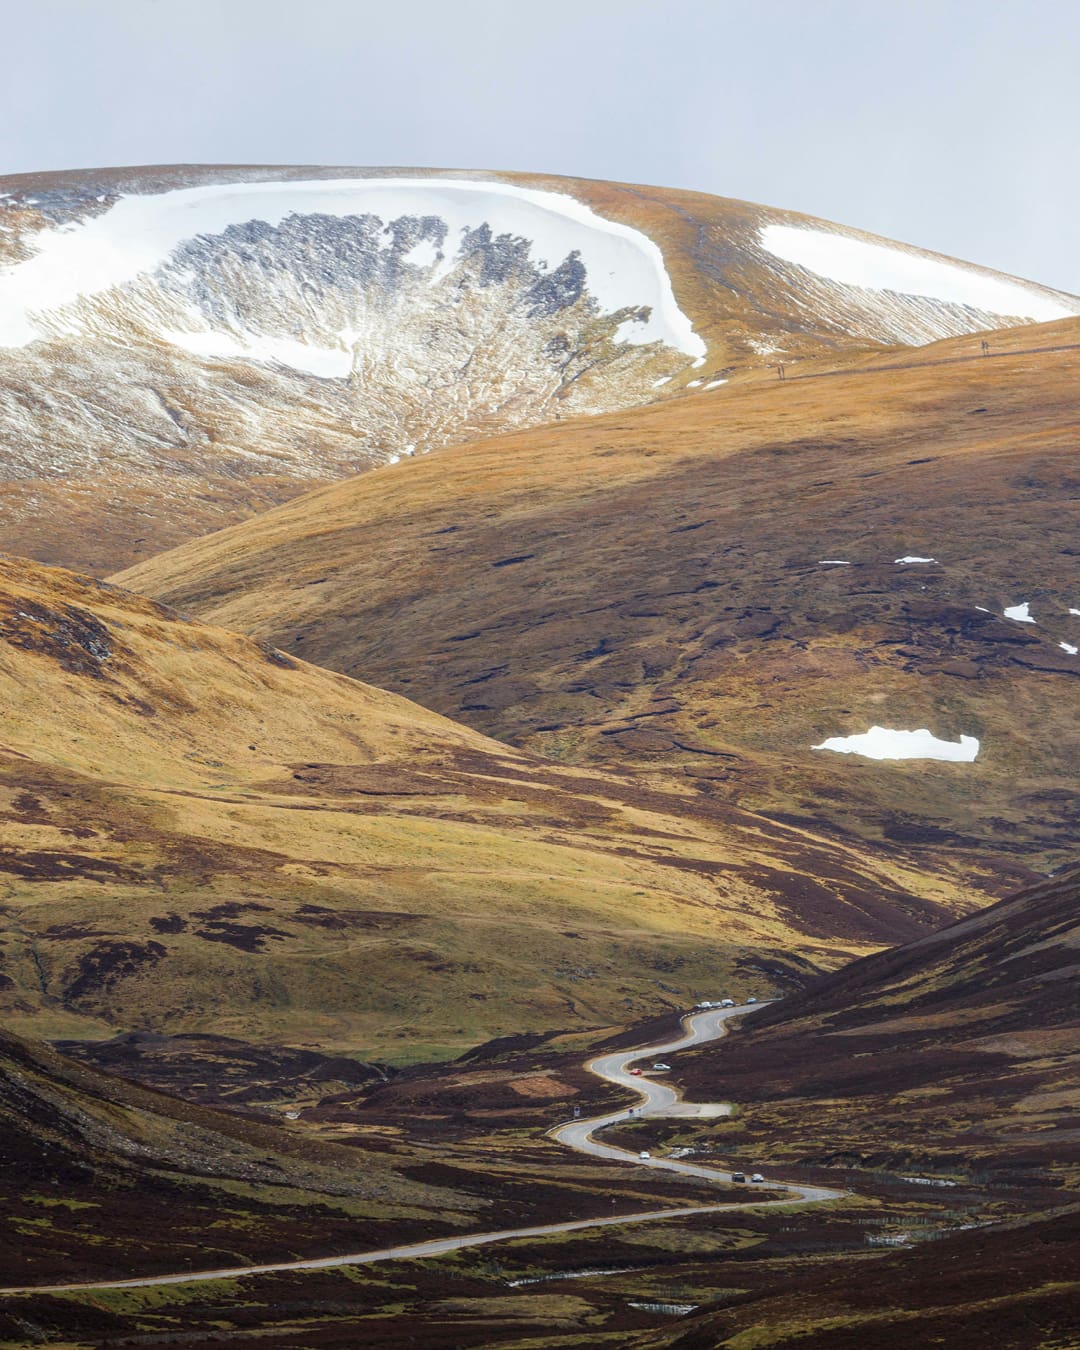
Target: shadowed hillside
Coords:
[[939, 1072], [87, 1156], [705, 590], [957, 1053]]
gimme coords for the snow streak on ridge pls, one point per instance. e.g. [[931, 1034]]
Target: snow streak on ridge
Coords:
[[908, 294]]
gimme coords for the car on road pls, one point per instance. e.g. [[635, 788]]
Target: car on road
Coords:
[[661, 1068], [757, 1177], [751, 999], [738, 1176], [636, 1072], [727, 1003], [644, 1155]]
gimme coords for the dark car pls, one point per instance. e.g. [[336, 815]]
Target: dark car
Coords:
[[738, 1176]]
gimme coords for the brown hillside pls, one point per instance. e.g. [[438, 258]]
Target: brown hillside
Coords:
[[1014, 1286], [201, 834], [942, 1070], [86, 1156], [647, 589]]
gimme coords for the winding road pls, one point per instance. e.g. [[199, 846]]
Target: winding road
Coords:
[[655, 1099], [660, 1099]]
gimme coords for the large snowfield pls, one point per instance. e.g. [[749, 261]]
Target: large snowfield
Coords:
[[624, 267]]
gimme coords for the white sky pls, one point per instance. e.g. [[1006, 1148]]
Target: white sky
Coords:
[[952, 124]]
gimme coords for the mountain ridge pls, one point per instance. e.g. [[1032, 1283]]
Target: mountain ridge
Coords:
[[252, 332]]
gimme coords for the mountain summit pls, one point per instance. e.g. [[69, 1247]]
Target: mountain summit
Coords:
[[224, 337]]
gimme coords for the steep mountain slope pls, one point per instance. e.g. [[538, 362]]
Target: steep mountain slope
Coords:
[[87, 1156], [946, 1068], [959, 1052], [202, 834], [710, 590], [1015, 1286], [180, 347]]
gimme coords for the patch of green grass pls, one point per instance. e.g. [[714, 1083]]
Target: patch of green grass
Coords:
[[158, 1296], [53, 1201]]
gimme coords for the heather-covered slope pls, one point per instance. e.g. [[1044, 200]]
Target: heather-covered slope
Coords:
[[87, 1157], [1015, 1286], [706, 590], [951, 1066], [201, 834], [959, 1052], [181, 347]]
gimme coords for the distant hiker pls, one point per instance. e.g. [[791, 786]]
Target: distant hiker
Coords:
[[985, 348], [780, 373]]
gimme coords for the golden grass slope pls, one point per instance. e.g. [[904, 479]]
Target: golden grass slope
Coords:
[[200, 833], [647, 590]]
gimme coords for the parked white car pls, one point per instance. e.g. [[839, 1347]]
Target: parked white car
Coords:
[[644, 1155]]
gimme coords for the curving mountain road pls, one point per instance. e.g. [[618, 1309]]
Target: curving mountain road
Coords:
[[659, 1099], [656, 1099]]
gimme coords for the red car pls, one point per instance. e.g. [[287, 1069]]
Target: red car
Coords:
[[636, 1072]]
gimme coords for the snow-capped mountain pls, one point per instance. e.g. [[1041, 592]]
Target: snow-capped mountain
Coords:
[[196, 343]]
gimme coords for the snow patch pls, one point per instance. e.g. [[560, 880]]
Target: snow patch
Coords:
[[884, 267], [1068, 647], [887, 743], [715, 384], [624, 267], [1019, 613], [833, 562], [329, 363], [910, 558], [424, 254], [664, 379]]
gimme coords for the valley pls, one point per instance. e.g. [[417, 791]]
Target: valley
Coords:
[[457, 631]]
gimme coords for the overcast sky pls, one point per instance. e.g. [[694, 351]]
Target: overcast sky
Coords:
[[950, 124]]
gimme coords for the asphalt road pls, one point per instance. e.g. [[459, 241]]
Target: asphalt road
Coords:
[[654, 1098], [658, 1098]]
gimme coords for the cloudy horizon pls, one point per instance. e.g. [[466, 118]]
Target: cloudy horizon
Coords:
[[946, 125]]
